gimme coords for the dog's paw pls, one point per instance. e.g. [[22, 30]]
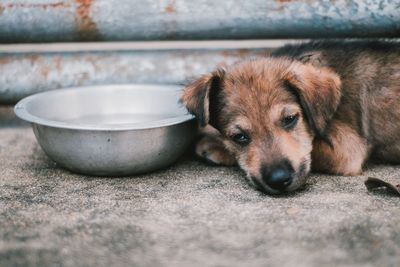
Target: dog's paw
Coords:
[[213, 151]]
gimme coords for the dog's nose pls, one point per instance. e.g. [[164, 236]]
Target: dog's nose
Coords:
[[277, 177]]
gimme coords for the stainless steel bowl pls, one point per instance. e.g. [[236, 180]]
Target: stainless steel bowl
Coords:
[[112, 130]]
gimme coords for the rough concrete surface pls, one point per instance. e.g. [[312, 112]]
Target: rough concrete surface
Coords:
[[190, 214]]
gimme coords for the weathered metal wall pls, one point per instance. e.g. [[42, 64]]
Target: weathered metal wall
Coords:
[[22, 74], [80, 20]]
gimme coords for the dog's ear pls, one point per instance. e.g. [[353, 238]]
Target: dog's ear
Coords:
[[318, 91], [202, 97]]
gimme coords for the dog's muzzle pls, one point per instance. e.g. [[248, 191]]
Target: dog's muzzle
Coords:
[[277, 177]]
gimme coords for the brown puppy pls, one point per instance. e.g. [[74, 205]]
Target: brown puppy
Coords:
[[325, 106]]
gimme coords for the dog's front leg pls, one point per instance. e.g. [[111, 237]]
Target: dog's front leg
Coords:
[[347, 154], [211, 148]]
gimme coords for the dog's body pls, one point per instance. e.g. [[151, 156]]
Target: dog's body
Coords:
[[326, 105]]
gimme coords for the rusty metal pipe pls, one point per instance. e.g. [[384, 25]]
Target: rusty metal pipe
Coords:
[[22, 74], [122, 20]]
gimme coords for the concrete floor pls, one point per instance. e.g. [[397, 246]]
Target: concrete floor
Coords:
[[190, 214]]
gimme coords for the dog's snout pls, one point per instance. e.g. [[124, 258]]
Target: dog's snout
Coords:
[[278, 177]]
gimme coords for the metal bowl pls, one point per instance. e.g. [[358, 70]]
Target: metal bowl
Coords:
[[113, 130]]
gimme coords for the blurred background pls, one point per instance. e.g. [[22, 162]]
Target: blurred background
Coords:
[[49, 44]]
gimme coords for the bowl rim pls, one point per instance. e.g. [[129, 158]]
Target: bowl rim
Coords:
[[21, 111]]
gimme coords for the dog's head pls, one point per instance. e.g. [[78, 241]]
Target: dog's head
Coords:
[[268, 111]]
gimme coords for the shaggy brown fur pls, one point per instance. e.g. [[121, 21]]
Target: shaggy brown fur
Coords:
[[325, 106]]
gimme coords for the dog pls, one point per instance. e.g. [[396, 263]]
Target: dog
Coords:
[[321, 106]]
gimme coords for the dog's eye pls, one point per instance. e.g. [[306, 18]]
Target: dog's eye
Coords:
[[241, 138], [290, 121]]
